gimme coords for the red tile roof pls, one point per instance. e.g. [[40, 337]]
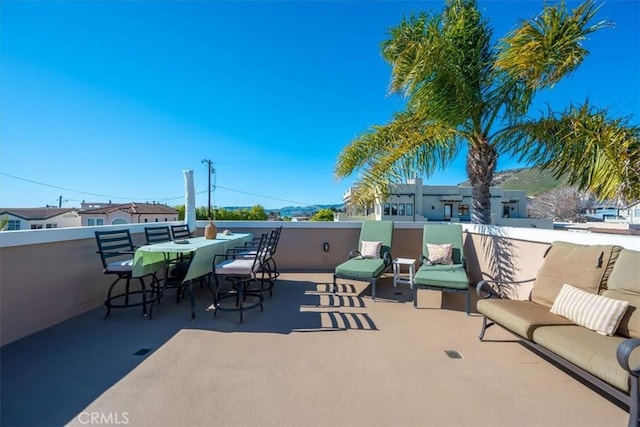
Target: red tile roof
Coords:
[[133, 208], [35, 213]]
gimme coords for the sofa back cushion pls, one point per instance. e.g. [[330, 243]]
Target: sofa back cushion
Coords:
[[624, 284], [586, 267]]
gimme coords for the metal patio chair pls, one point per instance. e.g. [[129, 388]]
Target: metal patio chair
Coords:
[[116, 251]]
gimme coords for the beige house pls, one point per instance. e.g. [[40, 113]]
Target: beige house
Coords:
[[40, 218], [126, 213]]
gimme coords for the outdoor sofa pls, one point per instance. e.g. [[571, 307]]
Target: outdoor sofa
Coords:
[[581, 294]]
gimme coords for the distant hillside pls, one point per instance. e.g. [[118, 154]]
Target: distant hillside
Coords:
[[292, 211], [531, 180]]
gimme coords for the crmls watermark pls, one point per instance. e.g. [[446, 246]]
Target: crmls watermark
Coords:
[[98, 418]]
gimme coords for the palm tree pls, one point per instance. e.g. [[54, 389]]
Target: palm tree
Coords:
[[462, 91]]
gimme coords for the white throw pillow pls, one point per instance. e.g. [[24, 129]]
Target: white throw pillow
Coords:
[[370, 249], [440, 254], [594, 312]]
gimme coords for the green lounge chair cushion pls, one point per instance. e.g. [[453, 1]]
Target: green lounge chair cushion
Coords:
[[588, 350], [443, 276], [358, 268]]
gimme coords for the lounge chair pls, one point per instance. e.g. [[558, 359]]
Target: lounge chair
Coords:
[[443, 268], [372, 257]]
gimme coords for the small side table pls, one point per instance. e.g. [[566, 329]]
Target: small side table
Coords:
[[399, 276]]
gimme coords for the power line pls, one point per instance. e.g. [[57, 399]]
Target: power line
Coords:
[[273, 165], [161, 199], [64, 188], [263, 196]]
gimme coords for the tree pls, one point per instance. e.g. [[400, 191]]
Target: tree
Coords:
[[255, 213], [563, 204], [181, 211], [322, 215], [464, 92]]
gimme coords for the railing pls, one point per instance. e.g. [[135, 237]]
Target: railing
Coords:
[[47, 276]]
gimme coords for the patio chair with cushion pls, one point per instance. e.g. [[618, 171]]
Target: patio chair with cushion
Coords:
[[442, 264], [240, 272], [371, 259], [249, 251], [116, 251]]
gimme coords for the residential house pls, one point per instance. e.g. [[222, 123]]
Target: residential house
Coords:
[[38, 218], [414, 201], [614, 211], [633, 212], [126, 213]]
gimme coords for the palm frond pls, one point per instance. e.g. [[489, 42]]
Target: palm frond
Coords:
[[394, 152], [442, 63], [545, 49], [595, 152]]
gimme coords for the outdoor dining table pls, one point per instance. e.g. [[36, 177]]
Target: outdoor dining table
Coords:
[[150, 259]]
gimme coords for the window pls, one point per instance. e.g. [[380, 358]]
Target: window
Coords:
[[13, 224], [448, 209], [119, 221], [51, 226], [95, 221], [401, 209], [410, 209], [36, 226], [394, 209], [463, 211], [387, 210]]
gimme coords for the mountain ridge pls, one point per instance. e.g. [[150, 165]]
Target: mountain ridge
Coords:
[[532, 180]]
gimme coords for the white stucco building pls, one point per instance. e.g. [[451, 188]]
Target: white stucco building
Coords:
[[414, 201], [40, 218], [126, 213]]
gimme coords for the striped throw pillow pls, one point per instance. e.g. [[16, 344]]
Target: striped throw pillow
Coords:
[[594, 312]]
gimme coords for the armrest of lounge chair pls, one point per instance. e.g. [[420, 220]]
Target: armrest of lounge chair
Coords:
[[486, 291], [386, 257]]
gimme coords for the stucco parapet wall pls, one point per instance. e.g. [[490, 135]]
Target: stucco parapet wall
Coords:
[[33, 237], [51, 235], [547, 236]]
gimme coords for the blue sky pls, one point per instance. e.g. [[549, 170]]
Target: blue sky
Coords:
[[112, 100]]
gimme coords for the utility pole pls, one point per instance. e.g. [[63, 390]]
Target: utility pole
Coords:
[[210, 172]]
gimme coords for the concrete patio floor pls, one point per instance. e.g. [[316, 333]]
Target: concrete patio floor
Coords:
[[310, 359]]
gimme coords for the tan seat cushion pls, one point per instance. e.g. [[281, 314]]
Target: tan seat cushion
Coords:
[[590, 351], [520, 317], [624, 284], [586, 267]]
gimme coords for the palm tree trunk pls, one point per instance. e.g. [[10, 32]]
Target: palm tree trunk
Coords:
[[481, 164]]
